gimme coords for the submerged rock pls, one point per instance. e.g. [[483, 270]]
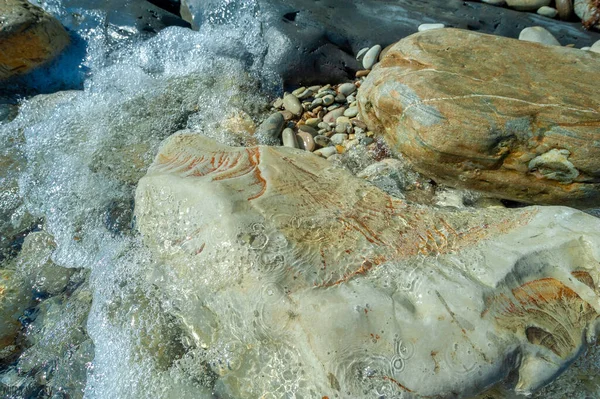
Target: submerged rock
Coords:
[[294, 283], [29, 37], [523, 126]]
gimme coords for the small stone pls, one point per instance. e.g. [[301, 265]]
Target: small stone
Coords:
[[278, 103], [287, 115], [361, 52], [331, 116], [564, 9], [340, 98], [326, 87], [527, 5], [371, 57], [340, 149], [305, 94], [323, 125], [270, 130], [424, 27], [351, 112], [326, 152], [537, 34], [333, 106], [308, 129], [585, 48], [322, 141], [595, 47], [289, 138], [306, 141], [358, 123], [292, 104], [298, 91], [547, 11], [338, 138], [342, 119], [322, 132], [315, 88], [316, 102], [341, 127], [362, 73], [366, 140], [351, 98], [328, 99], [313, 122], [346, 89]]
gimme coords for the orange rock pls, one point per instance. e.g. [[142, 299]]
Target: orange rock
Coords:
[[29, 37], [517, 120]]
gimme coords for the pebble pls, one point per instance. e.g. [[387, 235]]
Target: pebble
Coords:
[[595, 47], [361, 52], [270, 130], [338, 138], [313, 122], [324, 125], [322, 132], [305, 94], [362, 73], [315, 88], [424, 27], [564, 9], [298, 91], [351, 98], [278, 103], [586, 48], [340, 98], [326, 152], [342, 127], [537, 34], [346, 89], [371, 57], [289, 138], [326, 87], [287, 115], [351, 112], [308, 129], [316, 102], [548, 11], [328, 99], [359, 124], [332, 107], [322, 141], [292, 104], [306, 141], [342, 119]]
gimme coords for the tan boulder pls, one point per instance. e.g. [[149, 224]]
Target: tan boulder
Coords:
[[29, 37], [517, 120]]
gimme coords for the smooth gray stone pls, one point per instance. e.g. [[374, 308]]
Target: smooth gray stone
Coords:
[[308, 129], [339, 138], [292, 104], [289, 138], [346, 89], [322, 141], [270, 130], [371, 56]]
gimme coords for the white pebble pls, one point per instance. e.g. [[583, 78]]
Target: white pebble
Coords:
[[547, 11], [371, 56], [424, 27], [361, 52], [537, 34]]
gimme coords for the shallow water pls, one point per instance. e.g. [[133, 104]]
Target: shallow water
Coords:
[[73, 159]]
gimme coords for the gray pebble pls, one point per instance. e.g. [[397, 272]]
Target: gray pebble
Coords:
[[298, 91], [313, 122], [338, 138], [351, 98], [328, 99], [548, 12], [371, 57], [270, 130], [324, 125], [342, 127], [315, 88], [316, 102], [322, 141], [346, 89], [351, 112], [278, 103], [289, 138], [322, 132], [332, 115], [292, 104], [333, 106], [326, 87], [305, 94], [308, 129], [340, 98]]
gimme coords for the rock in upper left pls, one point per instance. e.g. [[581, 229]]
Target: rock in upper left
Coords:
[[29, 37]]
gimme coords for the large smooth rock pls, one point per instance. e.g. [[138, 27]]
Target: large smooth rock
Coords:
[[287, 279], [29, 37], [515, 119], [313, 41]]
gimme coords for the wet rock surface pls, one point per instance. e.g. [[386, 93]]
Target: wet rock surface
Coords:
[[523, 127], [29, 37], [499, 291]]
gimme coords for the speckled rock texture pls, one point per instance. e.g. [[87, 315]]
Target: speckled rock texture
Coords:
[[29, 37], [515, 119]]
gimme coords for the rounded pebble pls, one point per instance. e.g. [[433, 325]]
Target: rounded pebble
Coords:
[[548, 11], [328, 99], [537, 34], [270, 130], [308, 129], [362, 73], [298, 91], [331, 116], [306, 141], [346, 89], [305, 94], [313, 122], [323, 125], [326, 152], [292, 104], [340, 98], [595, 47], [322, 141], [289, 138], [361, 52], [424, 27], [371, 56], [338, 138], [359, 123], [351, 112]]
